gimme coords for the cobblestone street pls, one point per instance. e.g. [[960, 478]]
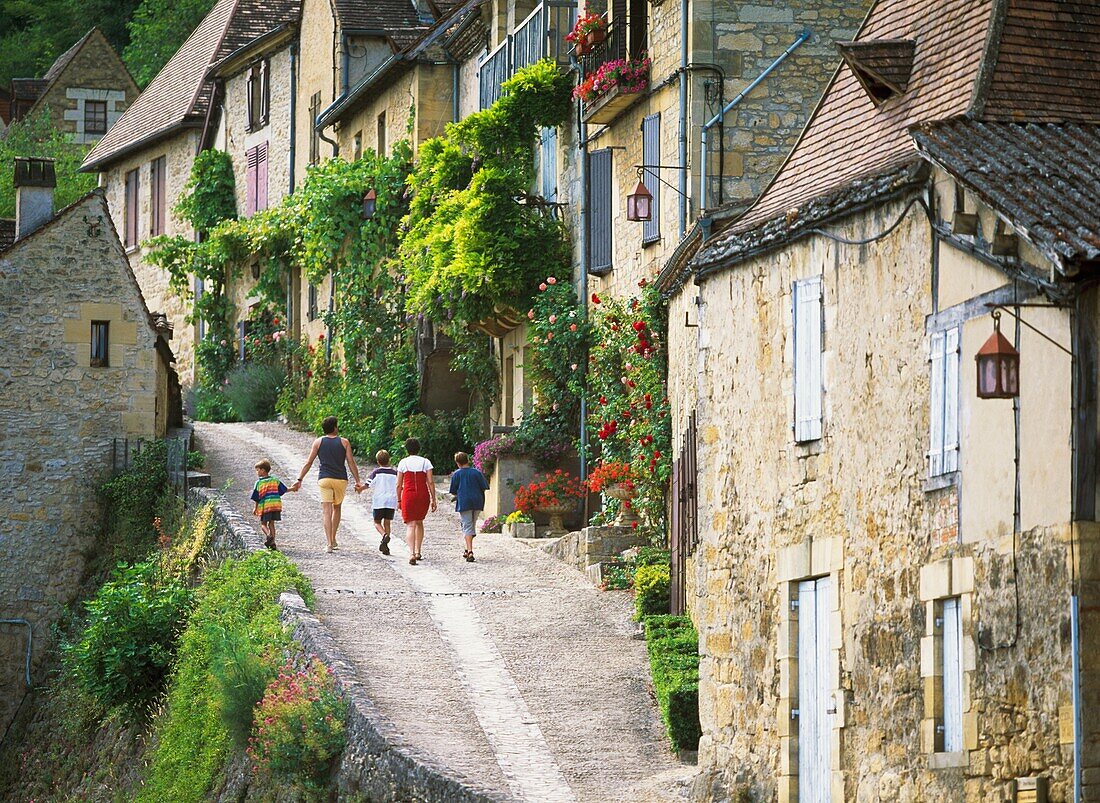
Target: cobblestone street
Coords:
[[513, 672]]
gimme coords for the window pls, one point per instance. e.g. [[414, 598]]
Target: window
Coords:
[[815, 699], [95, 117], [314, 135], [311, 303], [157, 196], [548, 164], [651, 155], [639, 27], [950, 727], [133, 183], [599, 212], [259, 95], [943, 450], [255, 189], [357, 146], [100, 345], [382, 134], [808, 390]]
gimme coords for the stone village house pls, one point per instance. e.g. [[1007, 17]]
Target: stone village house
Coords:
[[888, 568], [83, 363], [85, 91]]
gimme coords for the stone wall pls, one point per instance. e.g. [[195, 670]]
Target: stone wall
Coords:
[[374, 765], [179, 152], [856, 506], [59, 417]]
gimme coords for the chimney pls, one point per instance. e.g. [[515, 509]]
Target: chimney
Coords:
[[34, 183]]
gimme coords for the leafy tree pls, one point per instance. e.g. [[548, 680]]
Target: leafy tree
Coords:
[[157, 30], [36, 136]]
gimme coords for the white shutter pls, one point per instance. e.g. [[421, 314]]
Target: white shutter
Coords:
[[814, 697], [548, 163], [935, 406], [952, 676], [951, 401], [807, 359]]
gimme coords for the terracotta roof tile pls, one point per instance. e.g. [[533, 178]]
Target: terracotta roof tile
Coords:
[[180, 94], [28, 88], [387, 16], [889, 61], [1045, 178], [63, 60], [848, 137]]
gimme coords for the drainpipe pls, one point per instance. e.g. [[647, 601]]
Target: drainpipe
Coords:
[[293, 112], [30, 640], [454, 90], [582, 134], [683, 145], [1075, 648], [802, 37]]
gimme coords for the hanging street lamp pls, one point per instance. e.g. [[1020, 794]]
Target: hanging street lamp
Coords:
[[369, 201], [639, 204], [998, 366]]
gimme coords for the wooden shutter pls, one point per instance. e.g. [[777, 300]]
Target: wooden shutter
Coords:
[[548, 163], [132, 207], [251, 98], [157, 195], [951, 401], [599, 211], [265, 91], [814, 696], [242, 334], [261, 176], [250, 181], [807, 359], [952, 676], [935, 406], [651, 155]]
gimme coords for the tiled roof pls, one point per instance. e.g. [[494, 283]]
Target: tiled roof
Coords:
[[7, 232], [28, 88], [180, 94], [848, 137], [1045, 178], [63, 60], [887, 60], [387, 16], [1047, 66]]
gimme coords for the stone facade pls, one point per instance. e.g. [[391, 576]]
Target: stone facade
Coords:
[[859, 508], [94, 72], [60, 415]]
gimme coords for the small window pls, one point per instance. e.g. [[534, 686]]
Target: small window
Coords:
[[357, 146], [157, 198], [943, 450], [314, 135], [311, 303], [949, 730], [382, 134], [95, 117], [258, 95], [808, 390], [133, 183], [100, 345]]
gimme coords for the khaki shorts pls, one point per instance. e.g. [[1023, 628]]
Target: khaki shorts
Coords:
[[332, 490]]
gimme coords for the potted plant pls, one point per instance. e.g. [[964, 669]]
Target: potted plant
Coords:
[[628, 76], [554, 494], [590, 29], [518, 524], [615, 479]]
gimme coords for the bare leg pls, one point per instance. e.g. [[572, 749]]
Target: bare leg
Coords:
[[469, 543], [326, 516], [380, 526], [410, 539], [419, 536], [335, 524]]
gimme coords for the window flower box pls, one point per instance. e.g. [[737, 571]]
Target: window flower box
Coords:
[[612, 88]]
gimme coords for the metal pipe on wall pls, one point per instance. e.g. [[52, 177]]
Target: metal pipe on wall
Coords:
[[30, 641], [685, 19]]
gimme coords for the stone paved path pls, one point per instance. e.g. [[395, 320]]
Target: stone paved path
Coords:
[[513, 671]]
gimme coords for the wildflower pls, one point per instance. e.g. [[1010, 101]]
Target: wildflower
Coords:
[[573, 367], [223, 342], [642, 283], [321, 336], [542, 286]]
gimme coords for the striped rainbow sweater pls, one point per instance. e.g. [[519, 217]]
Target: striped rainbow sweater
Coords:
[[268, 495]]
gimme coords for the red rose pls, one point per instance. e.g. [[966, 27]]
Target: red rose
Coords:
[[639, 326], [595, 299]]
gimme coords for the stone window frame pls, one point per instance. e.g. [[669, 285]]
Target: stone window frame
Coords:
[[811, 559], [947, 579], [99, 351], [114, 99], [258, 91]]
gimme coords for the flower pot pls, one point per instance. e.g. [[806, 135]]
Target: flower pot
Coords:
[[625, 494], [596, 35], [580, 47], [555, 512]]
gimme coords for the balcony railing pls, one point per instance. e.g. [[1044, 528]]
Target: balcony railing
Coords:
[[541, 35], [611, 48]]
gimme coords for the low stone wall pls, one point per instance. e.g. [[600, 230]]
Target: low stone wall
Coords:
[[372, 767], [594, 545]]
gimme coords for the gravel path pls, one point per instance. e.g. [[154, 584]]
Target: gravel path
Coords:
[[513, 670]]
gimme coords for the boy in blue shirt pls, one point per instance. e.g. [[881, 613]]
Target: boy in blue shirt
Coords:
[[468, 487]]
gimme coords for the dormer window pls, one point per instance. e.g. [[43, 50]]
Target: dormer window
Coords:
[[882, 66]]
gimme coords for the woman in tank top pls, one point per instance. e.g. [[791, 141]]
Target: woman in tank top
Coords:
[[416, 493], [331, 453]]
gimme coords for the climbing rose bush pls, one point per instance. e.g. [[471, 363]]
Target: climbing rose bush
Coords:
[[557, 489], [300, 725]]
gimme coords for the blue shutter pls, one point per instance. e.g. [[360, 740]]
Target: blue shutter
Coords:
[[651, 155], [599, 211], [548, 164]]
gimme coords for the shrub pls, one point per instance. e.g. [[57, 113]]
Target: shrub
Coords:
[[211, 404], [129, 501], [134, 623], [241, 667], [673, 647], [618, 575], [651, 590], [440, 437], [253, 390], [192, 742], [651, 556], [300, 726]]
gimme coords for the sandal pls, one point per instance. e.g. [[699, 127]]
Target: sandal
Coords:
[[412, 560], [469, 557]]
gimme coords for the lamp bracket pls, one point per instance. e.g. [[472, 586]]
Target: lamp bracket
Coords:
[[653, 171], [996, 309]]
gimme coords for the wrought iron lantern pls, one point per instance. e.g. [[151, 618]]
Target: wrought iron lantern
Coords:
[[639, 204], [998, 366], [369, 201]]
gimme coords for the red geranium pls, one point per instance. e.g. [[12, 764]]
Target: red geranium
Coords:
[[557, 489], [605, 475]]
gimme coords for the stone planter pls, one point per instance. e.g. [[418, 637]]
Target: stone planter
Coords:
[[521, 529], [557, 527], [624, 493]]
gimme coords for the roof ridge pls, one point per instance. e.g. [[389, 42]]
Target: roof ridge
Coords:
[[201, 84], [990, 54]]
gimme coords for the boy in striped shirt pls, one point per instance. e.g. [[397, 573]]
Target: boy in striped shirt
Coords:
[[267, 494]]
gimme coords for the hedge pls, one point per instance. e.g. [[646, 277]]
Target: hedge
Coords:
[[651, 590], [673, 647]]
